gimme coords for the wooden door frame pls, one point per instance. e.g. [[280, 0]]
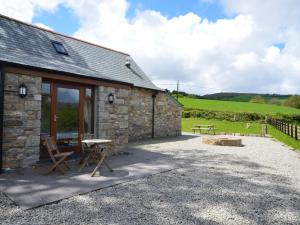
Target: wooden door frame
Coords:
[[54, 84]]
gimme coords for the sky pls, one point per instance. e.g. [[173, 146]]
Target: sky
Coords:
[[208, 45]]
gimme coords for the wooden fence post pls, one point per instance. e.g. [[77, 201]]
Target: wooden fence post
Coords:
[[285, 128]]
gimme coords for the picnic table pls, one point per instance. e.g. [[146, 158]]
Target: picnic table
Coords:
[[204, 127], [96, 151]]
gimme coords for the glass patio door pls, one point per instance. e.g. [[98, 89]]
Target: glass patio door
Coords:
[[67, 117], [67, 112]]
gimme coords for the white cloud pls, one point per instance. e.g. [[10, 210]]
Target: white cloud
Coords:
[[236, 54], [41, 25], [272, 55], [25, 9]]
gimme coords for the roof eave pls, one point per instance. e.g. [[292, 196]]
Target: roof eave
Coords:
[[64, 73]]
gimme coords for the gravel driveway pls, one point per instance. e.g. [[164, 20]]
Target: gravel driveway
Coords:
[[255, 184]]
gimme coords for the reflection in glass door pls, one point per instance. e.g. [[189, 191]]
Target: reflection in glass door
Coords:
[[67, 112], [67, 117]]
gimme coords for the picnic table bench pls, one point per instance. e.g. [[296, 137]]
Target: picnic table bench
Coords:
[[204, 127]]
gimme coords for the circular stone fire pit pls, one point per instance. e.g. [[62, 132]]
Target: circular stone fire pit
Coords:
[[222, 141]]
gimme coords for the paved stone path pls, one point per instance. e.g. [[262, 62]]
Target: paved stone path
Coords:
[[255, 184]]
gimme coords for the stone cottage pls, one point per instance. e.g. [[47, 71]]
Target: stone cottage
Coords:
[[55, 85]]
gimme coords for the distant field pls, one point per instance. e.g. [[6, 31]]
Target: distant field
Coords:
[[247, 98], [243, 97], [230, 106]]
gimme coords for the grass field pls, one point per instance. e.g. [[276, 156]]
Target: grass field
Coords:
[[247, 98], [222, 126], [230, 106], [240, 127]]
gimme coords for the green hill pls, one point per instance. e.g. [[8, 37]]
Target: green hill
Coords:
[[242, 97], [231, 106]]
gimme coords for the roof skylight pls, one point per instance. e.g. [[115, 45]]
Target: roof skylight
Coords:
[[59, 48]]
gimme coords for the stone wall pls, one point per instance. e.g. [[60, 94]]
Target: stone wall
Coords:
[[167, 118], [112, 119], [129, 118], [21, 136], [140, 114]]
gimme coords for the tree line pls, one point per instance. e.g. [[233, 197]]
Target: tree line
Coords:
[[292, 101]]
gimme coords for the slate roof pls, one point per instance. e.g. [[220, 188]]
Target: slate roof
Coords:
[[27, 45]]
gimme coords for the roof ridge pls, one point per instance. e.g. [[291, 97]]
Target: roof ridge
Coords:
[[61, 34]]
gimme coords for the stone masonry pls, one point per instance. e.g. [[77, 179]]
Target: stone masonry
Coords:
[[112, 119], [21, 138], [129, 118], [167, 116], [140, 114]]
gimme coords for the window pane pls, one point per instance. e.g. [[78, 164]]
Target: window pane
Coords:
[[67, 117], [59, 48], [46, 88], [46, 115], [88, 92], [88, 116]]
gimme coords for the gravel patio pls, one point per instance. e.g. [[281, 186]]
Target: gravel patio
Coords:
[[255, 184]]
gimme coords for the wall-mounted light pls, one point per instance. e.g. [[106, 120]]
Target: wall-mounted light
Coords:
[[23, 90], [111, 98]]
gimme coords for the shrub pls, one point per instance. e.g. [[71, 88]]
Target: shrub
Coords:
[[229, 116], [274, 101], [186, 114], [257, 99], [293, 101]]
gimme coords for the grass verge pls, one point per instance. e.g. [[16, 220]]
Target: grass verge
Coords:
[[284, 138]]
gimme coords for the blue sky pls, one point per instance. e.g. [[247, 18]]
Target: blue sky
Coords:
[[64, 20], [210, 10]]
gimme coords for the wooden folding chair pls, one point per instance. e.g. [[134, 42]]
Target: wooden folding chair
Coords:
[[57, 157]]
